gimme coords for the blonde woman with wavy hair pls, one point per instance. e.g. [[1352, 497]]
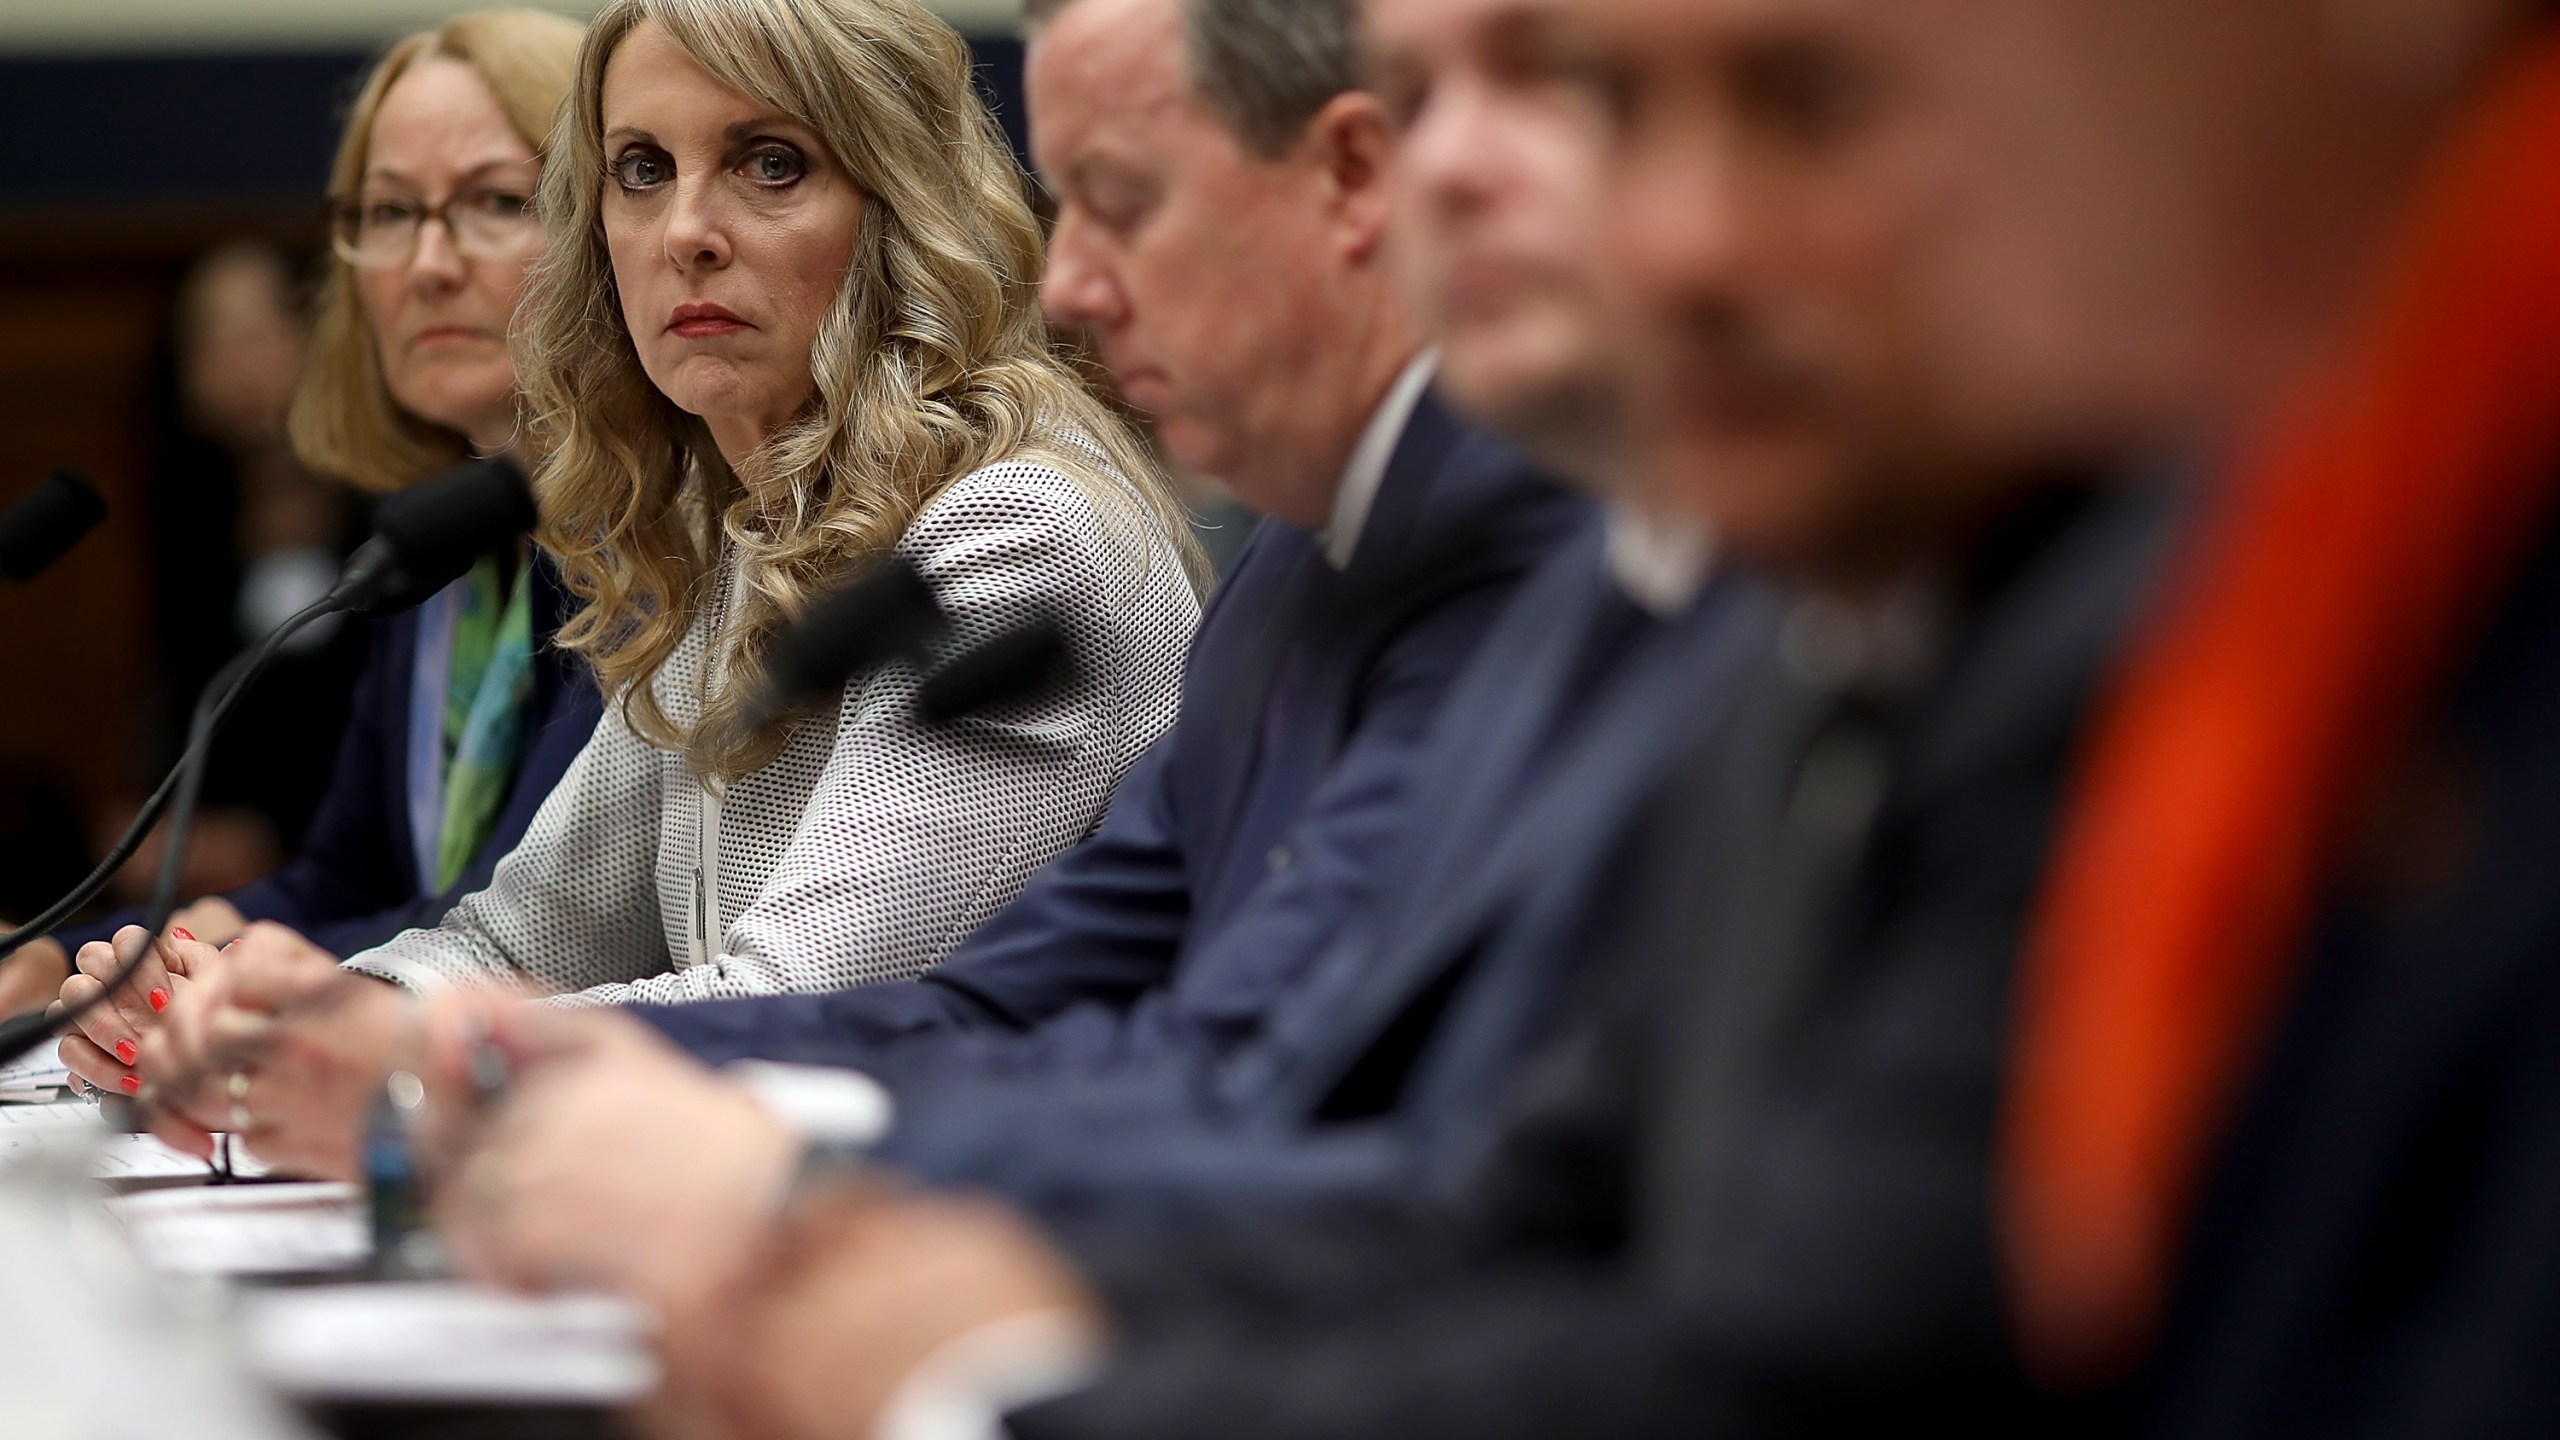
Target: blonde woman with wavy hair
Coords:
[[786, 325]]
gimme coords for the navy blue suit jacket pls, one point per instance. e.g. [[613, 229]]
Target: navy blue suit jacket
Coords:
[[1576, 707], [1236, 845], [352, 882]]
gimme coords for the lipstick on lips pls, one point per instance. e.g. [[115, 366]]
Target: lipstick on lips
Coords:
[[696, 320]]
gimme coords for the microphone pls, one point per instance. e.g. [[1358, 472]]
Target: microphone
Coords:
[[887, 612], [1015, 665], [424, 540], [43, 526]]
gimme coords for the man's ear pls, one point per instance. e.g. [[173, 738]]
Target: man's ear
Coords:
[[1351, 147]]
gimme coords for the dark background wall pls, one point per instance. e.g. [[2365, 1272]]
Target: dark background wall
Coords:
[[126, 130]]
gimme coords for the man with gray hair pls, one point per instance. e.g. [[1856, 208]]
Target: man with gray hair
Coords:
[[1265, 66], [1223, 229]]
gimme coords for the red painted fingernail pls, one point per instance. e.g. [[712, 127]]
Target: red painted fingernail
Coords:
[[159, 998], [126, 1052], [132, 1084], [181, 932]]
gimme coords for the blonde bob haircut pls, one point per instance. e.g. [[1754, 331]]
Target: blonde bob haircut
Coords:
[[344, 420], [932, 363]]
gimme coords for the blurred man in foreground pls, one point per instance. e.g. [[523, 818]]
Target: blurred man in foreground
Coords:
[[1997, 251]]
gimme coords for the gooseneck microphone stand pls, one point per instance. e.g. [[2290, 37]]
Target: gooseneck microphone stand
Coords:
[[424, 539]]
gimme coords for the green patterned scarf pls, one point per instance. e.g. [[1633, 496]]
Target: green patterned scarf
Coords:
[[484, 705]]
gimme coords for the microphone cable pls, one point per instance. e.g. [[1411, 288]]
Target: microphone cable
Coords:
[[22, 1033]]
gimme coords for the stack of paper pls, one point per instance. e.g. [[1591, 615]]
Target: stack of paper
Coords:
[[115, 1157], [247, 1229], [450, 1343]]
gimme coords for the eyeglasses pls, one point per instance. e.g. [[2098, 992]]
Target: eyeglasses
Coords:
[[493, 222]]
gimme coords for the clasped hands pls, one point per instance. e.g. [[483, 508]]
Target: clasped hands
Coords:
[[265, 1038], [615, 1163]]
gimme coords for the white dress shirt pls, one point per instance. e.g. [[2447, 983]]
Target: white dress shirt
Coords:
[[1660, 562], [1367, 469]]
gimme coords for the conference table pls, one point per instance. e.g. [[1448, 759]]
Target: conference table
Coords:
[[179, 1300]]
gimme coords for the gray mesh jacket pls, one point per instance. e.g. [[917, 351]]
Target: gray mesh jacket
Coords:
[[872, 844]]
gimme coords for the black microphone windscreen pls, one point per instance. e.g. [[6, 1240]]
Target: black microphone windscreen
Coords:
[[888, 610], [424, 539], [42, 527], [1016, 665]]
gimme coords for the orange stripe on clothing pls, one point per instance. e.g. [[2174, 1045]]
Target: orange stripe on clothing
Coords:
[[2360, 543]]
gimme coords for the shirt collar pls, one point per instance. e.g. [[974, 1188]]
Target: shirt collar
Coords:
[[1367, 471], [1658, 563]]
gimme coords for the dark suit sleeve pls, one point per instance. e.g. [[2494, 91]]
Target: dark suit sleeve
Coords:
[[1496, 1357], [1530, 1311], [1102, 921], [1378, 1312], [1309, 1328], [1364, 1315]]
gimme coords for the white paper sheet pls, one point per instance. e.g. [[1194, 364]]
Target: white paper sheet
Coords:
[[118, 1157], [448, 1342], [18, 1120], [247, 1229]]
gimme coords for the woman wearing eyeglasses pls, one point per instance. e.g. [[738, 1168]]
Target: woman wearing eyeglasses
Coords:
[[466, 714]]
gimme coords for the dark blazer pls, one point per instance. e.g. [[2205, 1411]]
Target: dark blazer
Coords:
[[1745, 1192], [1236, 845], [2379, 1251], [1576, 706], [352, 882]]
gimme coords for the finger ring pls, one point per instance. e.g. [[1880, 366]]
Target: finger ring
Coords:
[[239, 1088], [486, 1179]]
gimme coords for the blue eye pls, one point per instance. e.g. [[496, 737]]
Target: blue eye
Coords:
[[641, 170], [775, 165]]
